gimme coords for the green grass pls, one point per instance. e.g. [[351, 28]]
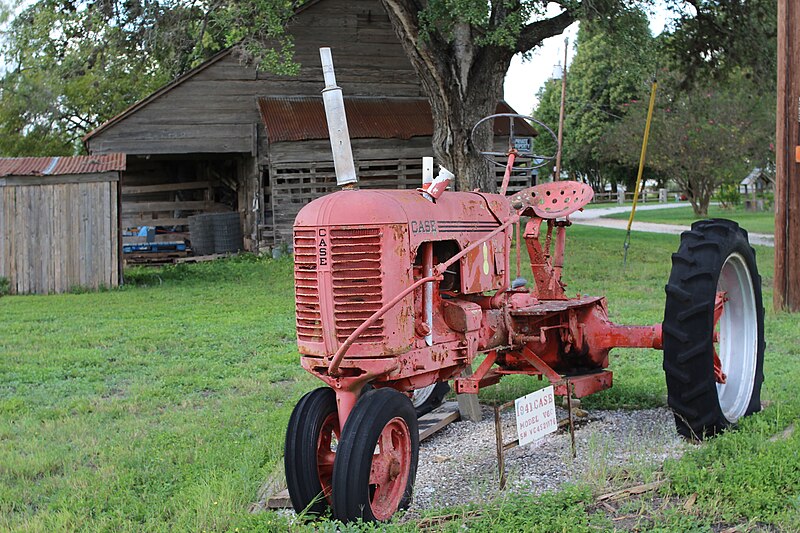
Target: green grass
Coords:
[[162, 406], [157, 406], [753, 221]]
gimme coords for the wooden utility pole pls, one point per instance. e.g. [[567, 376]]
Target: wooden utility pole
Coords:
[[787, 158]]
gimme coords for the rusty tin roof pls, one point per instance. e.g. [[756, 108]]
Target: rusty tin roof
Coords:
[[303, 118], [59, 166]]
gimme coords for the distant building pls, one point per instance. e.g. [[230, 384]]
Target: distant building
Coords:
[[757, 182]]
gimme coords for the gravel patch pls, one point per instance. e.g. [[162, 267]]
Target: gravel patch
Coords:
[[458, 465]]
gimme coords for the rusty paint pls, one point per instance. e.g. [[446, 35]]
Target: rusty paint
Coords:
[[302, 118], [587, 384], [548, 282], [719, 306], [553, 200]]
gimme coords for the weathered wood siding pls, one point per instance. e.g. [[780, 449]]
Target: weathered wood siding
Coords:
[[215, 110], [296, 177], [60, 235]]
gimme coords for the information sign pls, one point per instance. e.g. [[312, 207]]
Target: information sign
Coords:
[[536, 415]]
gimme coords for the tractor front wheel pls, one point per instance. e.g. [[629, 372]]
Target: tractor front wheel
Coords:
[[376, 462], [713, 330], [311, 442]]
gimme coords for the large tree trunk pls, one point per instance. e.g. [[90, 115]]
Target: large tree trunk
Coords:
[[469, 94], [464, 83], [699, 191]]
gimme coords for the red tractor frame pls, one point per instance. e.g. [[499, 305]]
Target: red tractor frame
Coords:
[[397, 291]]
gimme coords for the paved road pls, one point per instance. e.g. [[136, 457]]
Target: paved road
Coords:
[[593, 217], [605, 211]]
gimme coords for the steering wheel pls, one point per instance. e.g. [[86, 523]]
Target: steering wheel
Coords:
[[494, 157]]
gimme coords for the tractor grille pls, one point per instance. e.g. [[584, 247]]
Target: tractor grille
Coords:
[[357, 281], [306, 289]]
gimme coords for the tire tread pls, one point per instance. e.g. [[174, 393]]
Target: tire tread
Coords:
[[688, 327]]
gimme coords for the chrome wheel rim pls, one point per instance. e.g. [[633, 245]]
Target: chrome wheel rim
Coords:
[[420, 396], [738, 337]]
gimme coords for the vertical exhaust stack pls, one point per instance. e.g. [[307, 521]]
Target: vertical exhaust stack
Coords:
[[337, 125]]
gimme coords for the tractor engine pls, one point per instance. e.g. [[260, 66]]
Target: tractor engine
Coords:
[[355, 250]]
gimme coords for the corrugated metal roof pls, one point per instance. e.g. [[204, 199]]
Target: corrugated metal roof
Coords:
[[303, 118], [59, 166]]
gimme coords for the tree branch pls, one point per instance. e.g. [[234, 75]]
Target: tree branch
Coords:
[[403, 14], [499, 12], [536, 32]]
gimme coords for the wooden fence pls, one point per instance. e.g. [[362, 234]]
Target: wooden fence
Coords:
[[644, 197], [294, 184], [58, 234]]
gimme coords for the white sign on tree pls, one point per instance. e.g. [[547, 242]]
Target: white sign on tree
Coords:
[[536, 415]]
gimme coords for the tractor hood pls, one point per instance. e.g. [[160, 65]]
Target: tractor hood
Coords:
[[452, 212]]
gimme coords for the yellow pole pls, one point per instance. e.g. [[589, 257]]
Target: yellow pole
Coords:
[[638, 187], [644, 152]]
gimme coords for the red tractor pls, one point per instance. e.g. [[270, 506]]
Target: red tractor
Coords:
[[398, 290]]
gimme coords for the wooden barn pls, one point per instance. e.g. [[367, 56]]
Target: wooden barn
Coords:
[[228, 137], [59, 223]]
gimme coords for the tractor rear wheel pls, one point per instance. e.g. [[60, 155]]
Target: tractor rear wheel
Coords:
[[376, 462], [311, 442], [713, 330]]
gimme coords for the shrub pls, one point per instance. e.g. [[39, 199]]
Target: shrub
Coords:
[[5, 286], [728, 196]]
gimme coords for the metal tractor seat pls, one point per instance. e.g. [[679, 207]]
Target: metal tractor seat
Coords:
[[552, 200]]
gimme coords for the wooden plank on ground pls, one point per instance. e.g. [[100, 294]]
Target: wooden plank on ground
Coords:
[[631, 491], [203, 258], [438, 419], [280, 500], [154, 257]]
